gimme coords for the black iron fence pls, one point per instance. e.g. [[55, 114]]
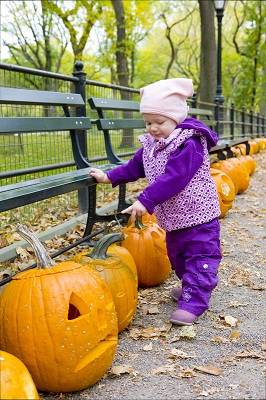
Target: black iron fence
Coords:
[[35, 156]]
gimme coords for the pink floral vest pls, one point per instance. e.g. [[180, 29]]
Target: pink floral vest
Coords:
[[198, 201]]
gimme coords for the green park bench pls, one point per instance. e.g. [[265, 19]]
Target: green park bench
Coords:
[[30, 191]]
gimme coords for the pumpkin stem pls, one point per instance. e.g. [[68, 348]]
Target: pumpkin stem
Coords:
[[42, 257], [100, 249], [138, 223]]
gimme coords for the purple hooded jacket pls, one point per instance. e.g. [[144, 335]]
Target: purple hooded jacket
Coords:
[[180, 191]]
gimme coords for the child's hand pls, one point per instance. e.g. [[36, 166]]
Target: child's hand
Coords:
[[99, 175], [137, 209]]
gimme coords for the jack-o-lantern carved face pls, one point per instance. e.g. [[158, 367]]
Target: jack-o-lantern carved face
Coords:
[[61, 323]]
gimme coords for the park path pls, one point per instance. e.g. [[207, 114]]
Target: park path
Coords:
[[158, 361]]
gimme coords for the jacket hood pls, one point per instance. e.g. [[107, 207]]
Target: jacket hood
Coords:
[[193, 123]]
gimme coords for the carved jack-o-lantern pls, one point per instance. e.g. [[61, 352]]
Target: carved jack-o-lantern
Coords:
[[115, 268], [60, 320]]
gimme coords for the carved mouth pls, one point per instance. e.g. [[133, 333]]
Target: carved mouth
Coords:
[[106, 345]]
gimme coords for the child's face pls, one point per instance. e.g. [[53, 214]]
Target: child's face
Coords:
[[159, 126]]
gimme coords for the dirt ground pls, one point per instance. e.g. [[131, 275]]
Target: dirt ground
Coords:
[[222, 356]]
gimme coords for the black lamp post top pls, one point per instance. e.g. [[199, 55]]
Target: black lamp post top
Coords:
[[219, 5]]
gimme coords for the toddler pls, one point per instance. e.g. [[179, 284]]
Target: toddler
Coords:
[[174, 159]]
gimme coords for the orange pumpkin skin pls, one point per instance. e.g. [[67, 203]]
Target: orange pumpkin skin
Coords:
[[237, 172], [118, 276], [225, 189], [148, 248], [148, 219], [15, 380], [115, 250], [61, 322]]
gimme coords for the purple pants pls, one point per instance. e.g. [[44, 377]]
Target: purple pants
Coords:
[[195, 255]]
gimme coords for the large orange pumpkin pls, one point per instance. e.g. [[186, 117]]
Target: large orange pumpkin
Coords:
[[147, 245], [15, 380], [119, 277], [60, 320], [225, 189]]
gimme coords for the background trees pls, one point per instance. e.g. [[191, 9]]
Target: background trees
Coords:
[[136, 42]]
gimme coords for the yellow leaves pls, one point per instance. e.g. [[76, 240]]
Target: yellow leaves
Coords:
[[149, 332]]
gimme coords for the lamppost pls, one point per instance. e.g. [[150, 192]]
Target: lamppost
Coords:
[[219, 99]]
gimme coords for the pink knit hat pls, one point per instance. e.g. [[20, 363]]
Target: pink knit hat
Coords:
[[167, 97]]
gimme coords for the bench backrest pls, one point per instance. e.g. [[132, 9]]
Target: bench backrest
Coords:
[[127, 108], [77, 126]]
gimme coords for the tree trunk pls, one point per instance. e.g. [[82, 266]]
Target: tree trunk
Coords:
[[208, 54], [122, 66]]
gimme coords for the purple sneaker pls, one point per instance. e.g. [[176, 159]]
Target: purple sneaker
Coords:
[[176, 293], [182, 317]]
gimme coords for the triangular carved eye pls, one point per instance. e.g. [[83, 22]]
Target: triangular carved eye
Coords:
[[73, 312], [76, 307]]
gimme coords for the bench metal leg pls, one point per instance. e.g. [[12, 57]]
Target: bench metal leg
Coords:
[[122, 203]]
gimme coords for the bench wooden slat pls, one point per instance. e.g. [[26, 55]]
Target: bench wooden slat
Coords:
[[111, 104], [38, 97], [112, 124], [43, 188], [31, 124]]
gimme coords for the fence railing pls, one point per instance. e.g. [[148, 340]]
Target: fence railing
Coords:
[[18, 159]]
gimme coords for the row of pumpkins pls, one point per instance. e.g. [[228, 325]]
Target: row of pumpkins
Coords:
[[59, 323], [62, 320], [232, 176]]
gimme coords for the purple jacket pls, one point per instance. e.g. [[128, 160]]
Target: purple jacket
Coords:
[[177, 169]]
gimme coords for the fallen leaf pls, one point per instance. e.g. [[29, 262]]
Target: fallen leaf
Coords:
[[176, 353], [187, 332], [148, 347], [234, 335], [164, 369], [219, 339], [209, 369], [23, 253], [186, 373], [231, 321], [121, 369], [153, 310]]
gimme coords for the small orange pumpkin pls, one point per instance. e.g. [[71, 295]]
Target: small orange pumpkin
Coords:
[[60, 320], [147, 245], [119, 277], [225, 189], [15, 380]]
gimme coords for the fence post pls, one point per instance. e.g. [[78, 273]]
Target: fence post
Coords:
[[243, 121], [80, 88], [232, 119], [194, 100], [251, 122], [216, 116]]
